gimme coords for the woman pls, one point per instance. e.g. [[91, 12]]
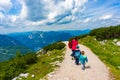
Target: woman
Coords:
[[74, 45]]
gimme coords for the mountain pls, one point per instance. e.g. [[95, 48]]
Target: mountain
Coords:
[[77, 32], [9, 47], [8, 41], [35, 40]]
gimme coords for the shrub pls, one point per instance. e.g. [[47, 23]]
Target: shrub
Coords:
[[30, 58], [57, 45], [106, 32], [10, 69]]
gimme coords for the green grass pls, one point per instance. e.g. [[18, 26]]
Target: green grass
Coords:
[[108, 53], [38, 64], [43, 65]]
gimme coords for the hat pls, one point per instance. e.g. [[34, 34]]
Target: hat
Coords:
[[77, 47]]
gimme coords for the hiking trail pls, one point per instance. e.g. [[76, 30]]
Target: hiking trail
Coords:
[[95, 69]]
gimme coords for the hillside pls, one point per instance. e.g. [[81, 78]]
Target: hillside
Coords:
[[107, 50], [49, 66], [9, 47], [38, 64]]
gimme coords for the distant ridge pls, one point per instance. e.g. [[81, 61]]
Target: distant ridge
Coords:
[[35, 40]]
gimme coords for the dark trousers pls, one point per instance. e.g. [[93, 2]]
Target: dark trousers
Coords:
[[77, 61], [73, 53]]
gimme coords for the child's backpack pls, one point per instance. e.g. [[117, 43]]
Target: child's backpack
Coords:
[[77, 53]]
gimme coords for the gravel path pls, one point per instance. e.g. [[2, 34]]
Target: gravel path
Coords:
[[95, 70]]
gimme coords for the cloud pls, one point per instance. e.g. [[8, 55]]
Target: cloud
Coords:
[[47, 12], [1, 16], [5, 5], [36, 10], [24, 11], [86, 20], [41, 14], [51, 9], [52, 15], [105, 17], [13, 18], [60, 8], [67, 19]]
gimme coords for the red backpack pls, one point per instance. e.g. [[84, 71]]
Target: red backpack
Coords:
[[70, 44]]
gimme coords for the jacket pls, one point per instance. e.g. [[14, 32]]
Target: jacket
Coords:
[[83, 59]]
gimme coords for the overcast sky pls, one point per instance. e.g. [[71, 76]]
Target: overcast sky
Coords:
[[46, 15]]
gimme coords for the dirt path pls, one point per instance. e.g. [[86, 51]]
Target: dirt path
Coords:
[[95, 70]]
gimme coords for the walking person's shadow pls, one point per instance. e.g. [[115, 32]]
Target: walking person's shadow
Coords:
[[87, 67]]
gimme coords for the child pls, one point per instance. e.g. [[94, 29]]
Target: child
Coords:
[[77, 55], [83, 58]]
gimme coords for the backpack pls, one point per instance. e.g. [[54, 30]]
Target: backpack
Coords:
[[77, 54], [70, 44]]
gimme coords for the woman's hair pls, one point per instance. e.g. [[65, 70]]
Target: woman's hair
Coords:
[[76, 39]]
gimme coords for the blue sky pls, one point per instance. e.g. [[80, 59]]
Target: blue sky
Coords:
[[47, 15]]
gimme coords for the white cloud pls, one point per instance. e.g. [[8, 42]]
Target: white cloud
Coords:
[[37, 23], [105, 17], [1, 16], [73, 11], [63, 7], [14, 18], [52, 15], [53, 11], [67, 19], [86, 20], [58, 9], [42, 12], [34, 14], [5, 5], [79, 3], [23, 13]]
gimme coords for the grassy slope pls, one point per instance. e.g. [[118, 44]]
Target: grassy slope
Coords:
[[43, 66], [108, 53]]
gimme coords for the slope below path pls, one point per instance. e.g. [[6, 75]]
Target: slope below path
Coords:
[[95, 69]]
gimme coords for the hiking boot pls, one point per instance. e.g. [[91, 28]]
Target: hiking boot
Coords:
[[73, 58], [83, 68]]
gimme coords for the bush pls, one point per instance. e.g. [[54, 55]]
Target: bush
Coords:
[[30, 58], [106, 32], [10, 69], [57, 45]]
